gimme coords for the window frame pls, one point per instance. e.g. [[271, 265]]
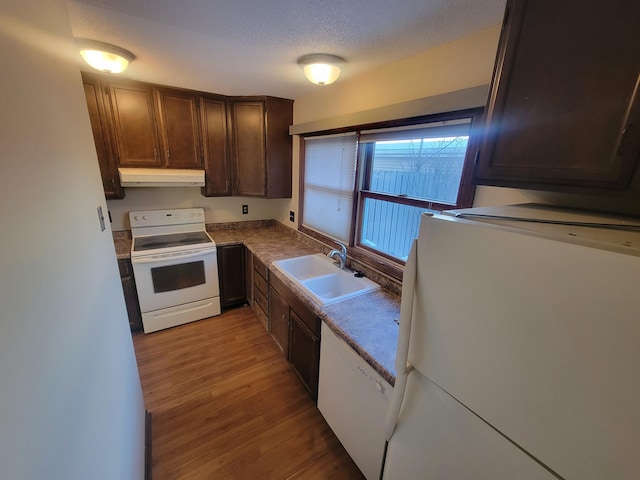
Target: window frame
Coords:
[[381, 261]]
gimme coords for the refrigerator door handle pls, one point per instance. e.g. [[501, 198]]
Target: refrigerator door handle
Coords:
[[403, 366], [396, 401]]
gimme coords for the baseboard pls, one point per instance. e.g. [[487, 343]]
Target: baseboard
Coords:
[[147, 445]]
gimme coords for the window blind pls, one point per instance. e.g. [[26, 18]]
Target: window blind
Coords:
[[329, 182]]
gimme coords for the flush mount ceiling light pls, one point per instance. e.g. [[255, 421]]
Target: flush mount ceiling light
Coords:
[[104, 56], [321, 69]]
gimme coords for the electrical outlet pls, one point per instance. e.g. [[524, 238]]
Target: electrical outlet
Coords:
[[245, 209], [292, 216]]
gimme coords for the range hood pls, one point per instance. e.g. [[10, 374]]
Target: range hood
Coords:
[[160, 177]]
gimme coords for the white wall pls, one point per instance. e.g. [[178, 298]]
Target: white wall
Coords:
[[464, 63], [217, 209], [71, 405]]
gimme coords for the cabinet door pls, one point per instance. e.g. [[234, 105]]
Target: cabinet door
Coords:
[[102, 139], [564, 106], [231, 272], [304, 354], [180, 128], [216, 151], [279, 115], [248, 144], [135, 126], [279, 321]]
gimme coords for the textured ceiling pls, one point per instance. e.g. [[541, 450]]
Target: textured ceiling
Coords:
[[246, 47]]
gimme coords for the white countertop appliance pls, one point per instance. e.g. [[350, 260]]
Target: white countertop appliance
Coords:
[[174, 266], [518, 349], [353, 398]]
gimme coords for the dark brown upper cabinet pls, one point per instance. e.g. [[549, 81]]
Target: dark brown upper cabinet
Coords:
[[179, 128], [132, 104], [243, 143], [261, 146], [564, 106], [213, 114], [160, 133], [105, 150]]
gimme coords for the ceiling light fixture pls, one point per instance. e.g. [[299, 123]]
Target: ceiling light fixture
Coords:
[[321, 69], [104, 56]]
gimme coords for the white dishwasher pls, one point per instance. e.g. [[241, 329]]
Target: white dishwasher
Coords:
[[353, 399]]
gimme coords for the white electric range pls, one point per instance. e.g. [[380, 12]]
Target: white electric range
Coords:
[[174, 266]]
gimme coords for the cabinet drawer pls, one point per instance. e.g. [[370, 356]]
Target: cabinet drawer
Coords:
[[260, 283], [262, 316], [261, 268], [260, 300]]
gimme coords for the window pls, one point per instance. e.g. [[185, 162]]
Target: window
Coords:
[[329, 182], [368, 187]]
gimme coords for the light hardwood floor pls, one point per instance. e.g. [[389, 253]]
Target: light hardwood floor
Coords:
[[226, 405]]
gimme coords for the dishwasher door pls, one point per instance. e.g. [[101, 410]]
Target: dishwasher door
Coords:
[[353, 399]]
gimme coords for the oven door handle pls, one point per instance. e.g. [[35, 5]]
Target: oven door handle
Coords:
[[172, 256]]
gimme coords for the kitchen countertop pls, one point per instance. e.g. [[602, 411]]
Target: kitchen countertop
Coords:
[[367, 323]]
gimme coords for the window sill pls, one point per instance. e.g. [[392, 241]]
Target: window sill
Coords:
[[388, 267]]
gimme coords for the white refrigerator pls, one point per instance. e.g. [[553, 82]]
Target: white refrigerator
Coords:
[[519, 349]]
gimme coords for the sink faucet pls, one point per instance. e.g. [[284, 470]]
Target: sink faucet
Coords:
[[342, 256]]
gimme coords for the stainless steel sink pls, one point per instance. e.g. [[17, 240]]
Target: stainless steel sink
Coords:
[[323, 281]]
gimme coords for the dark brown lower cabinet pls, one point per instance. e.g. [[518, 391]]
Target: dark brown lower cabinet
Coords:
[[231, 275], [296, 329], [130, 294], [304, 353]]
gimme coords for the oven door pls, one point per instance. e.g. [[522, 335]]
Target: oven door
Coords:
[[168, 280]]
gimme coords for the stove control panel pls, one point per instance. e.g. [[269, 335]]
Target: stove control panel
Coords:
[[158, 218]]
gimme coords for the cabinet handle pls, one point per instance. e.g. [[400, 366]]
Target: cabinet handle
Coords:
[[155, 153], [168, 154]]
